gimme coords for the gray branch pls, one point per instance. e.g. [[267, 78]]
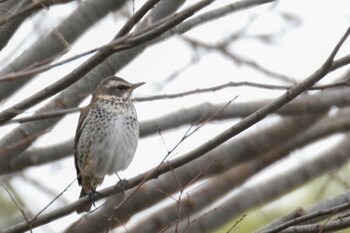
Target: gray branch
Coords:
[[269, 189], [53, 45]]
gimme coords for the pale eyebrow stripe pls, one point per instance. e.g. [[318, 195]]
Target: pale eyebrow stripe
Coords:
[[112, 83]]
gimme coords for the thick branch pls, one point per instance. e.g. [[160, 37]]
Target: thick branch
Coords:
[[53, 45], [271, 188]]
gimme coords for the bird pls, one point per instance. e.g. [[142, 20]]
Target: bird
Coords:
[[106, 136]]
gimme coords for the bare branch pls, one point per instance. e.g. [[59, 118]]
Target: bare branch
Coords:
[[118, 44], [273, 187], [306, 217], [35, 5], [123, 31], [264, 111], [51, 45], [39, 156], [237, 84], [335, 225], [43, 115], [25, 140]]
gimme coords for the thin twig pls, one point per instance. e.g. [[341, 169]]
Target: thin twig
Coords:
[[236, 84], [17, 204], [231, 229], [222, 47], [53, 200], [307, 217]]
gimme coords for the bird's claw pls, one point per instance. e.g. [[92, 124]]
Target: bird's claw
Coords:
[[122, 184], [92, 196]]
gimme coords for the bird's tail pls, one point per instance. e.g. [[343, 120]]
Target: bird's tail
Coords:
[[86, 207]]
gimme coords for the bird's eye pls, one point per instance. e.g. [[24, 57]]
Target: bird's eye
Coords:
[[122, 87]]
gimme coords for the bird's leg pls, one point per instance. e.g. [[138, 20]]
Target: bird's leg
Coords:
[[92, 196], [122, 183], [93, 193]]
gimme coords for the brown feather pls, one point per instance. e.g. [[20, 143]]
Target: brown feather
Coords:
[[83, 114]]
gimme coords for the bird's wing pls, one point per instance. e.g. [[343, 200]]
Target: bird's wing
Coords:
[[81, 124]]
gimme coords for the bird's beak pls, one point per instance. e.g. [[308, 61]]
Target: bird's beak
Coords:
[[136, 85]]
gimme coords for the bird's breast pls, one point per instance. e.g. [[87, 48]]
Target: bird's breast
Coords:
[[111, 133]]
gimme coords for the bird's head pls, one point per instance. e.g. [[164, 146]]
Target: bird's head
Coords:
[[115, 87]]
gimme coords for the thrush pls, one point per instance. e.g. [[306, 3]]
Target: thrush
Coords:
[[107, 135]]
